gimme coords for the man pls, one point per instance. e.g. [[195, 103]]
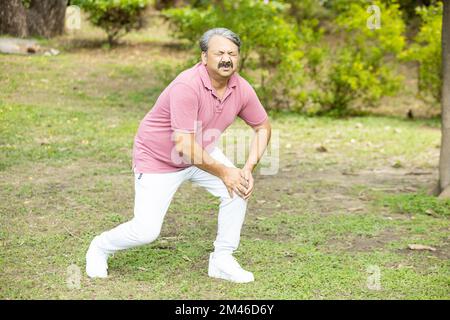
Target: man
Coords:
[[176, 141]]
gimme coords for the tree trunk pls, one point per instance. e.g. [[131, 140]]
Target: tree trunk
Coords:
[[444, 159], [13, 18], [46, 18], [43, 18]]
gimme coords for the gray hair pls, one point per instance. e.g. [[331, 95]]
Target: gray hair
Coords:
[[230, 35]]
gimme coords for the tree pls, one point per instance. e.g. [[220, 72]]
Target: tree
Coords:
[[444, 159], [270, 42], [32, 18], [117, 17], [363, 68], [427, 50]]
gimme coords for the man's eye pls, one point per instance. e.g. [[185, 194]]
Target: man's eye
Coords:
[[233, 54]]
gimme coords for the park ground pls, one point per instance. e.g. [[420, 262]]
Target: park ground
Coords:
[[349, 197]]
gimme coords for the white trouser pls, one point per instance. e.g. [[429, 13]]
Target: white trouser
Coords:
[[153, 195]]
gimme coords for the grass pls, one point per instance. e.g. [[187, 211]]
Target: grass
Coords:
[[312, 230], [418, 203]]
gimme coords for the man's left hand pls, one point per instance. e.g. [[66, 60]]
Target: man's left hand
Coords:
[[249, 177]]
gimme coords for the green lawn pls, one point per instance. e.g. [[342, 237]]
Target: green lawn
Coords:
[[312, 231]]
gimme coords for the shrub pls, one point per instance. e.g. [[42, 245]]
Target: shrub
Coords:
[[270, 44], [426, 50], [288, 63], [363, 67], [116, 17]]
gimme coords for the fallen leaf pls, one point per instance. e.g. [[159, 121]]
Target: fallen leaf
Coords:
[[430, 212], [420, 247], [355, 209], [187, 258]]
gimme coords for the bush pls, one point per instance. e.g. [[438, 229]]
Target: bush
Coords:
[[306, 10], [286, 59], [426, 50], [116, 17], [363, 66], [270, 46]]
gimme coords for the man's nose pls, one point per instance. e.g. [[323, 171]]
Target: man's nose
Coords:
[[226, 58]]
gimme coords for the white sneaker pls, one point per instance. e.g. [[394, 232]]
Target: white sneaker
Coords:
[[226, 267], [96, 261]]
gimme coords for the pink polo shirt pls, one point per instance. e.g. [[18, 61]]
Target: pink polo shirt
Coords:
[[190, 104]]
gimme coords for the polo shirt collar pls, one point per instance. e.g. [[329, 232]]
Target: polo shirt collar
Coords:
[[232, 82]]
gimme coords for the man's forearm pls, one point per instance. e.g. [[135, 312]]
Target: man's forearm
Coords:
[[196, 155], [258, 146]]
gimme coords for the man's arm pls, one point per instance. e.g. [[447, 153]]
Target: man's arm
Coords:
[[259, 143], [191, 151], [258, 146], [233, 178]]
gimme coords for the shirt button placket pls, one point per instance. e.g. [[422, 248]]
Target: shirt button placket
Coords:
[[219, 107]]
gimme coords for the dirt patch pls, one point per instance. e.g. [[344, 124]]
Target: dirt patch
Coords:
[[333, 190], [363, 244], [442, 252]]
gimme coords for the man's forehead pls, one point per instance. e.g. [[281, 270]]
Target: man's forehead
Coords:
[[221, 43]]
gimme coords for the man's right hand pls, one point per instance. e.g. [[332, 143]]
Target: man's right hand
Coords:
[[234, 180]]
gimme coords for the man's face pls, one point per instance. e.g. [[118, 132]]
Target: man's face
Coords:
[[222, 57]]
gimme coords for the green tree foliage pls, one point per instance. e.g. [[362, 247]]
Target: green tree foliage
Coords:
[[426, 50], [362, 66], [309, 56], [116, 17], [307, 10], [270, 44]]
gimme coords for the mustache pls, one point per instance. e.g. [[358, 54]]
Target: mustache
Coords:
[[225, 64]]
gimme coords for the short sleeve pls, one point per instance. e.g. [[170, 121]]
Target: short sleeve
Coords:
[[252, 112], [184, 106]]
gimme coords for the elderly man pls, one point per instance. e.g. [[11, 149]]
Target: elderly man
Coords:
[[176, 142]]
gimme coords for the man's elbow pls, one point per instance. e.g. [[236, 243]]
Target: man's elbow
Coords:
[[264, 126], [183, 142]]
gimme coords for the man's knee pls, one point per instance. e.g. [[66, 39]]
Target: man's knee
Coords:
[[225, 199], [145, 233]]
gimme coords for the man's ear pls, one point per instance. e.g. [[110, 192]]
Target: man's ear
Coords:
[[204, 57]]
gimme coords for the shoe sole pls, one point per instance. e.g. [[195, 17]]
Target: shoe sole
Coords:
[[92, 276], [215, 273]]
